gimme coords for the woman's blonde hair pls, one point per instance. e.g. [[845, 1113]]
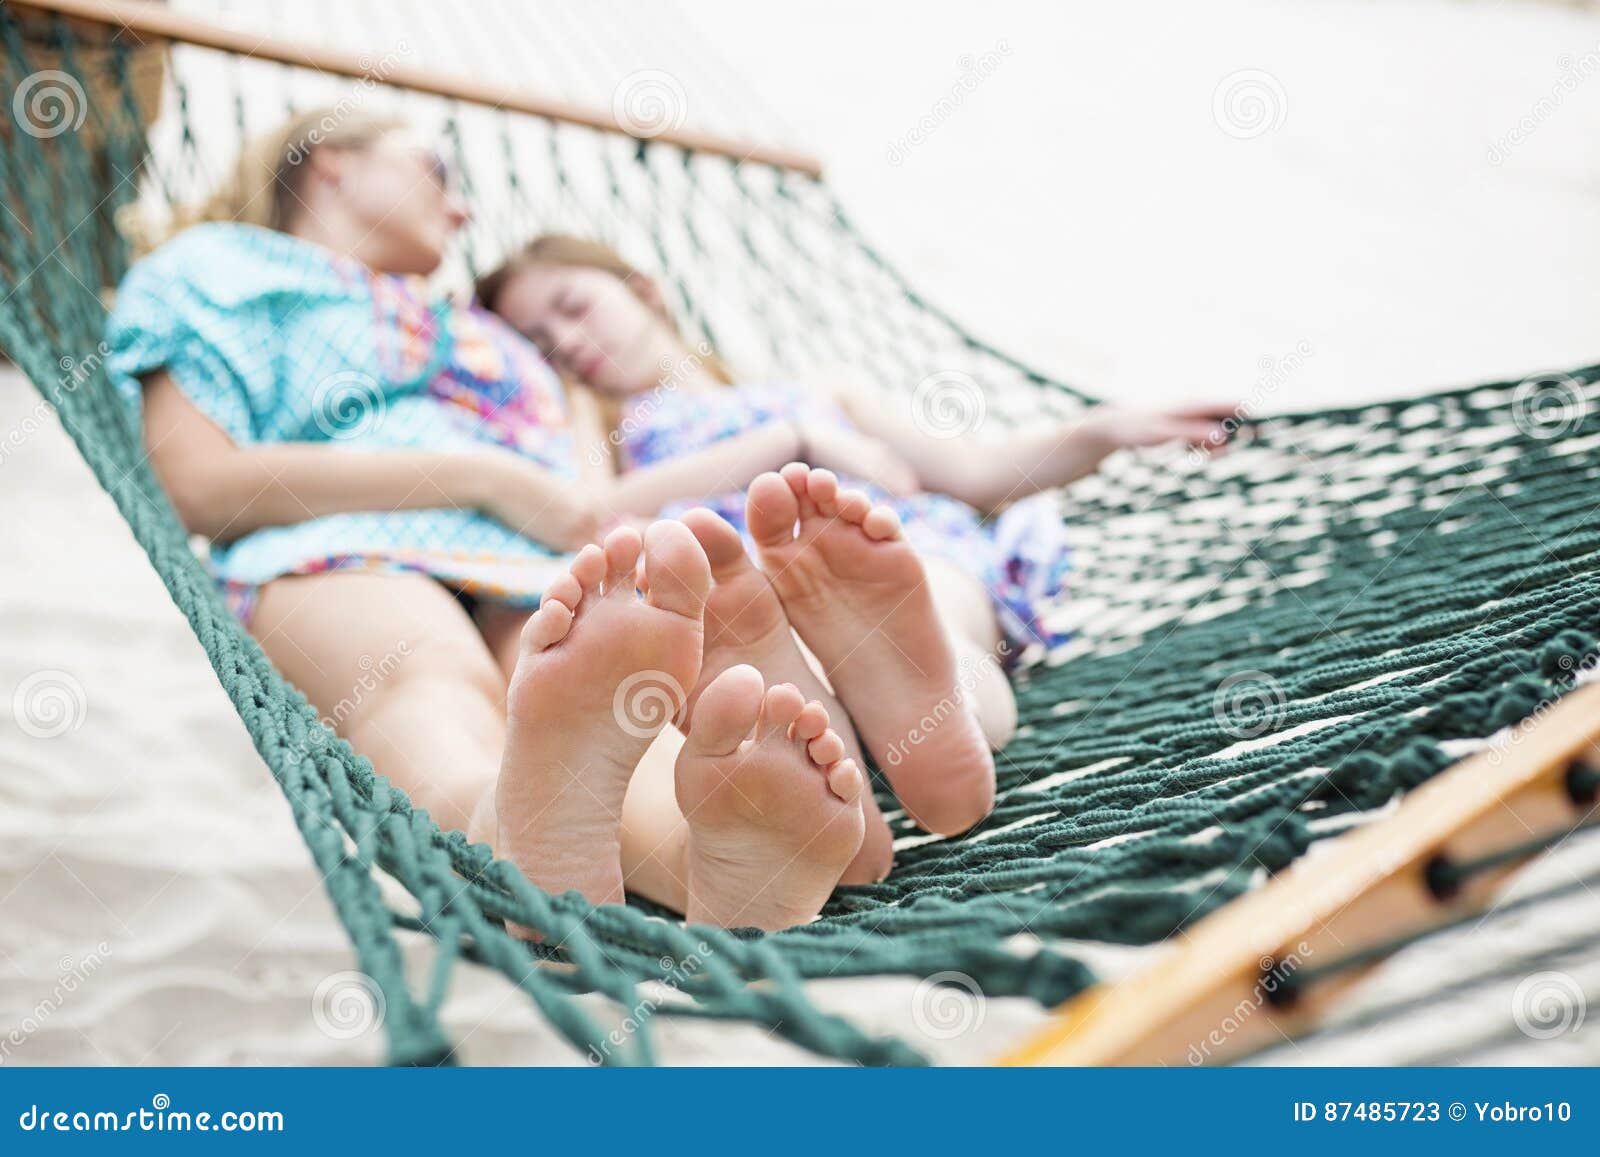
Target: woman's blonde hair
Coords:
[[264, 185]]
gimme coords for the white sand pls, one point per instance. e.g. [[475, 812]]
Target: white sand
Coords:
[[1082, 207]]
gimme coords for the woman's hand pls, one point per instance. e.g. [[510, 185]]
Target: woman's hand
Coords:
[[532, 501], [856, 455]]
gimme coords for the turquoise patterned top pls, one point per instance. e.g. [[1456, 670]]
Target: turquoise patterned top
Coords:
[[276, 339]]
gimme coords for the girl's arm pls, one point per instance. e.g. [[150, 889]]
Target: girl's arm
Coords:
[[731, 464], [225, 491], [987, 473]]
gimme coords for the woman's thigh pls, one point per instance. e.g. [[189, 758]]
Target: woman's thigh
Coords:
[[501, 628], [340, 635]]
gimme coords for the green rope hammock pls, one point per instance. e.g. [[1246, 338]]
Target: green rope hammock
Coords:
[[1267, 646]]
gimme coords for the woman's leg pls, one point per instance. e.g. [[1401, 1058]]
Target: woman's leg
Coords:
[[396, 667], [655, 836], [967, 611]]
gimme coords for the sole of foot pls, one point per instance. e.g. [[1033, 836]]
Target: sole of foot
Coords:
[[746, 623], [602, 671], [856, 592], [773, 804]]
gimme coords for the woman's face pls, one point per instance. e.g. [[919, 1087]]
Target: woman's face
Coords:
[[398, 191], [590, 325]]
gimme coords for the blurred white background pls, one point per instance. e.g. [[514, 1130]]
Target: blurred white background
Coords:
[[1083, 207]]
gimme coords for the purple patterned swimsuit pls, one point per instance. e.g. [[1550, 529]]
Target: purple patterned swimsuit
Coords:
[[1020, 556]]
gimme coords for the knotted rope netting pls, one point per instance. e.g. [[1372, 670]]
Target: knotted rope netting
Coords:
[[1267, 647]]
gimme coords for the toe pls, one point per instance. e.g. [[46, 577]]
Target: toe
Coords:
[[853, 506], [781, 707], [622, 548], [726, 711], [881, 524], [823, 487], [589, 567], [771, 509], [565, 590], [826, 749], [675, 568], [547, 626], [844, 780], [717, 537], [811, 722], [796, 475]]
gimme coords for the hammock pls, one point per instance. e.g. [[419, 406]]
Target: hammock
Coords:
[[1266, 648]]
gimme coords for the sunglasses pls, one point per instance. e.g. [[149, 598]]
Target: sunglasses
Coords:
[[438, 168]]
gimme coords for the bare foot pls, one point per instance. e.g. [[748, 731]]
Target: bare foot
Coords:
[[773, 804], [745, 623], [602, 672], [856, 592]]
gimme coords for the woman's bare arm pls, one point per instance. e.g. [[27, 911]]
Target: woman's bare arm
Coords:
[[225, 491]]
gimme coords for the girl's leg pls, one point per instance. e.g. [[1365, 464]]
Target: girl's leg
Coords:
[[967, 612], [859, 595], [655, 836], [396, 667]]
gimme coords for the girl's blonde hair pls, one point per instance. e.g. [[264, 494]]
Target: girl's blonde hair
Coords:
[[264, 185], [561, 250]]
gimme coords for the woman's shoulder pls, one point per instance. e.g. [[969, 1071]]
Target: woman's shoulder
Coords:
[[227, 263]]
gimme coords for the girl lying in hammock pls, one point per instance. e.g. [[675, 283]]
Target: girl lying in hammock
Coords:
[[869, 533]]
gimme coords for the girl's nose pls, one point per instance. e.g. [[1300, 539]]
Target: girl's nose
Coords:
[[456, 209]]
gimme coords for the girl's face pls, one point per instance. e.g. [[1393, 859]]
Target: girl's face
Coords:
[[398, 191], [590, 325]]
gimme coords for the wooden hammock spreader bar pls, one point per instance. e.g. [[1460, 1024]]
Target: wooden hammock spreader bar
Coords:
[[1226, 986], [157, 22]]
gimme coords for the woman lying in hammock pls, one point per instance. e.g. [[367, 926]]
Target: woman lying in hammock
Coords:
[[389, 486], [893, 584]]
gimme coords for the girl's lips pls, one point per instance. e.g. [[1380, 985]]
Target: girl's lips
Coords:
[[589, 364]]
